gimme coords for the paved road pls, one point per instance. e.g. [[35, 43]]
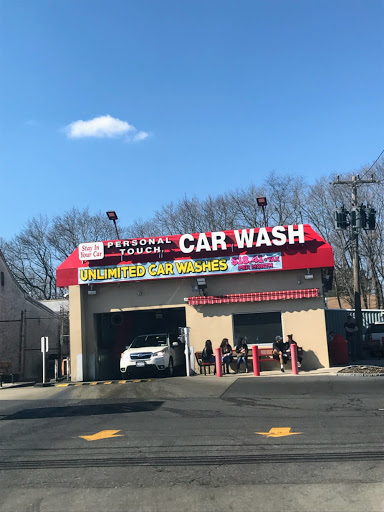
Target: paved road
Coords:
[[195, 444]]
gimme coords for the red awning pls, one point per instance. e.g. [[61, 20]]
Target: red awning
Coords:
[[255, 297]]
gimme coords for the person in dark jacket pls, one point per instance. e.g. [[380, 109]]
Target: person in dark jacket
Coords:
[[289, 339], [242, 354], [280, 351], [207, 354], [226, 351], [351, 332]]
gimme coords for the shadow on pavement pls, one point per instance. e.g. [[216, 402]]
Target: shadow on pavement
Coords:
[[83, 410]]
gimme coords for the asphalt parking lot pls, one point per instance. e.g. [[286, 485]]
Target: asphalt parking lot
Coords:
[[239, 444]]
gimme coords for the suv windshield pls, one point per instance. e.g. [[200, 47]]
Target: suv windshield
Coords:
[[152, 340]]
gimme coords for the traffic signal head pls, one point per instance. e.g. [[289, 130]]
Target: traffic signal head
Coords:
[[341, 218], [371, 219], [359, 217]]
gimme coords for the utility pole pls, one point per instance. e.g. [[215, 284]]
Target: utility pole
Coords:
[[356, 224]]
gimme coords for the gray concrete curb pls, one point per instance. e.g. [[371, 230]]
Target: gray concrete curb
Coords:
[[360, 374], [17, 385]]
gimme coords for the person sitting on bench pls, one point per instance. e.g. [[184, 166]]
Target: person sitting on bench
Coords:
[[242, 354], [280, 351], [289, 339], [207, 353], [226, 350]]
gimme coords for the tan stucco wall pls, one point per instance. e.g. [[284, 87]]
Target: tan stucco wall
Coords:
[[77, 329], [304, 317]]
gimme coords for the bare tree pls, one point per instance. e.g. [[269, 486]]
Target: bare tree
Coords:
[[39, 248], [75, 226], [29, 256]]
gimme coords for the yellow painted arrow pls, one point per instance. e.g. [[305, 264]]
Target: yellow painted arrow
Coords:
[[103, 434], [279, 432]]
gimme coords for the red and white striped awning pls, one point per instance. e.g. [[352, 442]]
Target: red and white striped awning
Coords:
[[255, 297]]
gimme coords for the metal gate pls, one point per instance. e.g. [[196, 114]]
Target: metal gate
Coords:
[[336, 318]]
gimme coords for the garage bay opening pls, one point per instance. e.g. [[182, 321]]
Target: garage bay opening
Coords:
[[115, 331]]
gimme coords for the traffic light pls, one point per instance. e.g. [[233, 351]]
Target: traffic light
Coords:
[[359, 217], [371, 218], [341, 220]]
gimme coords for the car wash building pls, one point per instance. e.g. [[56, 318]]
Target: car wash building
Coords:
[[257, 282]]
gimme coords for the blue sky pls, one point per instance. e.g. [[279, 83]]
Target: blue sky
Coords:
[[180, 97]]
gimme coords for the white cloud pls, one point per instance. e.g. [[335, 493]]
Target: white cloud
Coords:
[[104, 127], [140, 136]]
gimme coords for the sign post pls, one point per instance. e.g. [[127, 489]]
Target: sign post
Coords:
[[44, 350]]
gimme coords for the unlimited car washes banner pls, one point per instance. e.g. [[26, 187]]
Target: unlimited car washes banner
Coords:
[[181, 268]]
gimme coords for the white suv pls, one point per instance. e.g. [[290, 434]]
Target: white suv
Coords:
[[163, 352]]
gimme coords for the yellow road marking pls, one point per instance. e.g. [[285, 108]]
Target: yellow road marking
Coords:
[[122, 381], [137, 380], [79, 384], [109, 382], [103, 434], [92, 383], [62, 385], [279, 432]]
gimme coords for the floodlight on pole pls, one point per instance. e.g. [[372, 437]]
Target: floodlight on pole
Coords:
[[262, 202], [113, 216]]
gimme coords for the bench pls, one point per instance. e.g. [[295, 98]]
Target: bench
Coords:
[[204, 365], [5, 371], [266, 354]]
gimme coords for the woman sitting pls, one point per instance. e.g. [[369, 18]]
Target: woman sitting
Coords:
[[227, 356], [207, 353], [242, 354], [290, 341]]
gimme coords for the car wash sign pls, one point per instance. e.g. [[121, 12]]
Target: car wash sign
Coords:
[[239, 251], [196, 243], [186, 268]]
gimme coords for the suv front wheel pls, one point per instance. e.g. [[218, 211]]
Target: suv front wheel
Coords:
[[171, 368]]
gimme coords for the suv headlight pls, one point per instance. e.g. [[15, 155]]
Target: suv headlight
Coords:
[[161, 353]]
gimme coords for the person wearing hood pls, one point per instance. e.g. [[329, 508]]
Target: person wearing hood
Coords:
[[280, 351]]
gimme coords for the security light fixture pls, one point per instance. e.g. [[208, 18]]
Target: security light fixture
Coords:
[[201, 285], [91, 291], [308, 275], [112, 215]]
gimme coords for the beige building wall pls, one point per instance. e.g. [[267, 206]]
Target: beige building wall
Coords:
[[77, 330], [304, 318]]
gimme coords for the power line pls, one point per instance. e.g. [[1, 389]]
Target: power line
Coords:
[[366, 172]]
